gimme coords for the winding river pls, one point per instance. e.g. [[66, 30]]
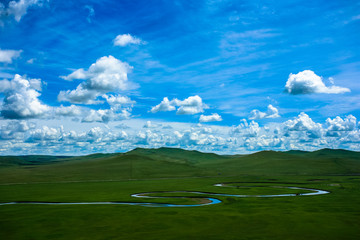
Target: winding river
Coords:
[[205, 200]]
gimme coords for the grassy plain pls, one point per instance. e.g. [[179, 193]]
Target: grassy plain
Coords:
[[114, 177]]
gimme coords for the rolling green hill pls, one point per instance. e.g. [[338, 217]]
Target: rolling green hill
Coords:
[[171, 162]]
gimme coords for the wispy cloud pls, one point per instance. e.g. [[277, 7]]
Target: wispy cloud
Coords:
[[7, 56], [91, 13]]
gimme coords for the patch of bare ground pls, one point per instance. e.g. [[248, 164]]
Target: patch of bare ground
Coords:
[[201, 200]]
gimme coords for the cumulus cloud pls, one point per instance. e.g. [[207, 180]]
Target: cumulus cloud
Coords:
[[69, 111], [7, 56], [246, 129], [339, 124], [120, 108], [307, 82], [301, 132], [82, 139], [304, 123], [107, 74], [117, 100], [18, 9], [301, 123], [101, 115], [15, 129], [190, 105], [164, 106], [80, 95], [149, 138], [210, 118], [21, 98], [21, 101], [256, 114], [148, 124], [106, 115], [126, 39], [43, 134], [199, 138], [271, 112]]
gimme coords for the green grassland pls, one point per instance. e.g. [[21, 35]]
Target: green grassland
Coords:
[[114, 177]]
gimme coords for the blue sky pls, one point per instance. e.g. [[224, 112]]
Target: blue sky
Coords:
[[217, 76]]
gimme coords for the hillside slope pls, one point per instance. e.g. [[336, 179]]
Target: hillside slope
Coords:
[[171, 163]]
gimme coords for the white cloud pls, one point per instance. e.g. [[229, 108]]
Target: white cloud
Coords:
[[21, 102], [352, 138], [307, 82], [15, 129], [339, 124], [21, 98], [118, 100], [210, 118], [18, 9], [301, 132], [106, 115], [107, 74], [304, 123], [77, 74], [116, 112], [190, 105], [31, 60], [79, 95], [7, 56], [101, 115], [126, 39], [44, 134], [198, 138], [149, 138], [95, 136], [271, 112], [256, 114], [69, 111], [150, 124], [164, 106], [246, 129]]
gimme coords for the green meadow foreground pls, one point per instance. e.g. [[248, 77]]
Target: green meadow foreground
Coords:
[[115, 177]]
